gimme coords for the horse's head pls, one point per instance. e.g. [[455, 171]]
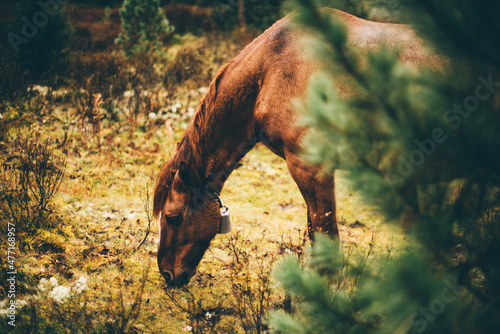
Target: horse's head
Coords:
[[187, 225]]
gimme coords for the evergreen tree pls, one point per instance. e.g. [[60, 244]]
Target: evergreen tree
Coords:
[[144, 23], [422, 141]]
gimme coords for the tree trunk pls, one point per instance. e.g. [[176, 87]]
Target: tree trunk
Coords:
[[241, 14]]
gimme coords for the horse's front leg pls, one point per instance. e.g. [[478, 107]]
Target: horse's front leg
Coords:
[[319, 195]]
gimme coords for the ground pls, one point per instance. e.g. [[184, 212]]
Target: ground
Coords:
[[101, 205]]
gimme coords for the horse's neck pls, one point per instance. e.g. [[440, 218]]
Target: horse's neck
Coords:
[[223, 125], [218, 146]]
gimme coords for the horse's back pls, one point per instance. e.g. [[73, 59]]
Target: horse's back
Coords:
[[274, 70]]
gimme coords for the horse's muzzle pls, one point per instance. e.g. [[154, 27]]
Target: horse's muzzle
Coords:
[[171, 280]]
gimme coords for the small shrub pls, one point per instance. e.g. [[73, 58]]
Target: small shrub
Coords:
[[95, 29], [13, 80], [102, 72], [92, 115], [188, 64], [104, 35], [29, 179], [250, 277], [144, 23], [186, 18], [81, 39]]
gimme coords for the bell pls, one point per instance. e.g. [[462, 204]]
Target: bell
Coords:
[[225, 221]]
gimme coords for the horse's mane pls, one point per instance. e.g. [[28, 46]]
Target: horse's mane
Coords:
[[189, 149]]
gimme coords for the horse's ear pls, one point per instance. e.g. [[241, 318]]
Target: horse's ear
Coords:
[[185, 173], [184, 178]]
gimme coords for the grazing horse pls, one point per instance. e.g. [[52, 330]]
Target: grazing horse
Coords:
[[250, 101]]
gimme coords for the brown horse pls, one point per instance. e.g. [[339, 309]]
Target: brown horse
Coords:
[[249, 101]]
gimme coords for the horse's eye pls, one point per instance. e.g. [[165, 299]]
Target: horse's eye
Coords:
[[174, 220]]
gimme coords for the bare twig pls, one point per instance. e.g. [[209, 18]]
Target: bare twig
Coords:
[[147, 208]]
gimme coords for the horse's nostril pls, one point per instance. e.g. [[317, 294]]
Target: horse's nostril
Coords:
[[168, 276]]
